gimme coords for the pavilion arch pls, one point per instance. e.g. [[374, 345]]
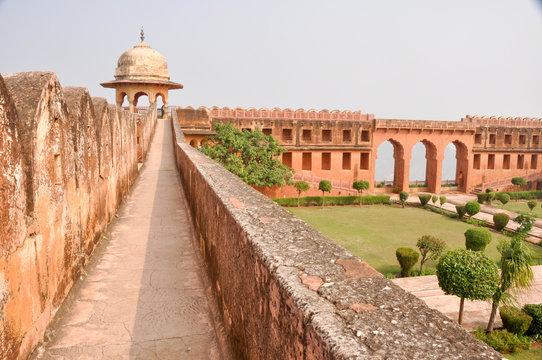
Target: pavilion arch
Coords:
[[138, 95], [399, 179], [121, 96]]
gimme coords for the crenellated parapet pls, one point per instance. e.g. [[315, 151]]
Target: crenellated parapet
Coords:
[[501, 121], [286, 114], [424, 124]]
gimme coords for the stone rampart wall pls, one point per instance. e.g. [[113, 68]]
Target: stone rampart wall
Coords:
[[501, 121], [285, 291], [67, 162]]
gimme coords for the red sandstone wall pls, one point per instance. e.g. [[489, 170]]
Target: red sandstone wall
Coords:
[[67, 162]]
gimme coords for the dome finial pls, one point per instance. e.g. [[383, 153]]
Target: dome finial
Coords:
[[142, 34]]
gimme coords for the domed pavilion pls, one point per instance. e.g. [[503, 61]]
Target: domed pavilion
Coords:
[[141, 71]]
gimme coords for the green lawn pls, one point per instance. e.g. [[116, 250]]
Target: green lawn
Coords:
[[526, 355], [520, 207], [374, 232]]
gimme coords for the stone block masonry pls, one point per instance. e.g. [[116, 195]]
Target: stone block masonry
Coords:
[[285, 291], [66, 162]]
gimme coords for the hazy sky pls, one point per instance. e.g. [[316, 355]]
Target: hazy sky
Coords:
[[416, 59]]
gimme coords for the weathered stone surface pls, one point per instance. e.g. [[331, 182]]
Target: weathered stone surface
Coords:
[[51, 200], [277, 316]]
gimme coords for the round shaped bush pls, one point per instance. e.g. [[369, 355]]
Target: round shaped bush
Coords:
[[482, 197], [407, 258], [534, 311], [503, 198], [515, 320], [424, 198], [472, 208], [434, 198], [532, 204], [460, 211], [476, 239], [500, 220]]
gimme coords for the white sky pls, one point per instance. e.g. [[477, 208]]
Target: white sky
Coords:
[[416, 59]]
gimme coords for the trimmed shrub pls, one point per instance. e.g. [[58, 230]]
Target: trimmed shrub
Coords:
[[503, 341], [442, 200], [515, 320], [482, 197], [491, 196], [526, 195], [476, 239], [472, 208], [407, 258], [460, 211], [500, 220], [503, 198], [336, 200], [532, 204], [488, 190], [434, 199], [403, 196], [424, 198], [534, 311]]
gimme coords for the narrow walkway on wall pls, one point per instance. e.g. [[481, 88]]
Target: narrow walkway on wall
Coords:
[[143, 296]]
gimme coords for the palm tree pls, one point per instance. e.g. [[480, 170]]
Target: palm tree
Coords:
[[516, 273]]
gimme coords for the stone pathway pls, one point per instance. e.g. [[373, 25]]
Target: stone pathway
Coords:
[[143, 297], [476, 313]]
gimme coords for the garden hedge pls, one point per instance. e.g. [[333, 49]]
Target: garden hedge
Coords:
[[514, 319], [334, 200]]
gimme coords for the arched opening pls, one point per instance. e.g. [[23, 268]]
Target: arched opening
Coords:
[[141, 99], [462, 165], [389, 165], [160, 104], [449, 166], [423, 165], [122, 100], [194, 143]]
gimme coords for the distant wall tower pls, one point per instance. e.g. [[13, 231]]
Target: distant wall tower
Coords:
[[141, 71]]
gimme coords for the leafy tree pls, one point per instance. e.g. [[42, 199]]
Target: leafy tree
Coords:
[[434, 199], [526, 224], [300, 187], [430, 248], [532, 204], [251, 155], [407, 258], [504, 198], [468, 275], [324, 186], [476, 239], [442, 200], [516, 273], [403, 196], [360, 185], [518, 181], [472, 208]]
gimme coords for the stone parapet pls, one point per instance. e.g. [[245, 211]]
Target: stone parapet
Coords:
[[509, 122], [423, 124], [67, 162], [285, 291], [276, 113]]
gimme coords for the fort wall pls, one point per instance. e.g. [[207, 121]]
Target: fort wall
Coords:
[[67, 162], [343, 146], [286, 291]]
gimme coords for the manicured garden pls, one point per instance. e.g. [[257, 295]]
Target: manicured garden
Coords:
[[375, 232], [521, 207]]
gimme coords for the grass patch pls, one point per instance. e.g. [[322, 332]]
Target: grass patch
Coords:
[[520, 207], [374, 233], [526, 355]]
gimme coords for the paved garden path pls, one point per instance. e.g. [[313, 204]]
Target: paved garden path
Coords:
[[143, 297], [476, 313]]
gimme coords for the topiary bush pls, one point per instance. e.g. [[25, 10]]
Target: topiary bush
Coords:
[[403, 196], [534, 311], [424, 198], [460, 211], [482, 197], [491, 196], [504, 198], [514, 319], [500, 220], [407, 258], [434, 199], [472, 208], [442, 200], [532, 204], [476, 239], [503, 341]]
